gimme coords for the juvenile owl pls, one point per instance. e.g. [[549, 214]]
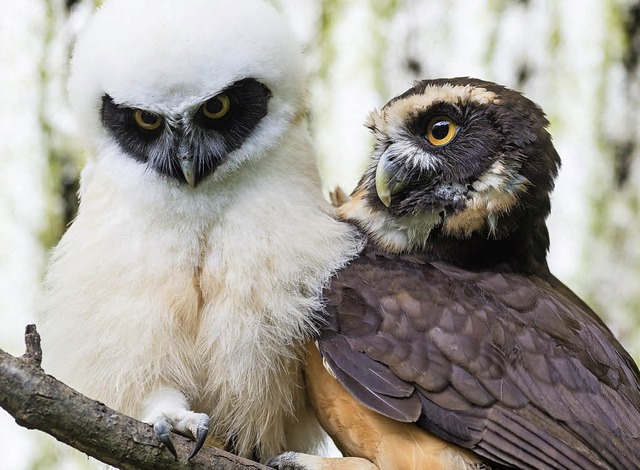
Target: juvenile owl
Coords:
[[185, 288]]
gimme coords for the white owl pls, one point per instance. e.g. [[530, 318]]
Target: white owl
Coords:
[[190, 279]]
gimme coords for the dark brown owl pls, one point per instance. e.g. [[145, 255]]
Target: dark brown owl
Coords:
[[448, 344]]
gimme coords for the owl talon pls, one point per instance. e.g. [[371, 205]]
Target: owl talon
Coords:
[[162, 429], [201, 436]]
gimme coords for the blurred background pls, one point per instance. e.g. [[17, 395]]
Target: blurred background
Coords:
[[578, 59]]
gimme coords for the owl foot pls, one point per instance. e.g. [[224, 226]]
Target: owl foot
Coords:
[[285, 461], [168, 410], [193, 425], [299, 461]]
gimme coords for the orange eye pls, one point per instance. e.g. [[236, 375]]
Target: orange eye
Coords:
[[217, 107], [441, 130], [147, 120]]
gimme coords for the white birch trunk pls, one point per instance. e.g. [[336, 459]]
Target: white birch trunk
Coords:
[[35, 126], [22, 196]]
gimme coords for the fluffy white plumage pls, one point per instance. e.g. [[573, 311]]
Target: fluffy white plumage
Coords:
[[162, 299]]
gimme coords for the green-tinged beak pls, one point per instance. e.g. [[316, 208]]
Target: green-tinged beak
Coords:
[[188, 168], [386, 183]]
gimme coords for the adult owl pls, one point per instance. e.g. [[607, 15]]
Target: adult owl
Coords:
[[185, 288], [447, 343]]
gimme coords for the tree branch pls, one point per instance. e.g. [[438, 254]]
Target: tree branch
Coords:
[[38, 401]]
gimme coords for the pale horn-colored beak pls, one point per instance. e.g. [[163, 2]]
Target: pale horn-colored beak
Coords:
[[386, 183], [188, 168]]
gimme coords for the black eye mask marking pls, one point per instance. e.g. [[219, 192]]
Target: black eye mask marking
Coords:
[[219, 126]]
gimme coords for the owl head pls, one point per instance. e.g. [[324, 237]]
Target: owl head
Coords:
[[186, 90], [454, 160]]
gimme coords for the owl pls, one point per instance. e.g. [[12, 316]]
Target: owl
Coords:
[[183, 292], [448, 344]]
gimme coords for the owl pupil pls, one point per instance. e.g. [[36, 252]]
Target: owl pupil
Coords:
[[440, 130], [149, 118], [214, 106]]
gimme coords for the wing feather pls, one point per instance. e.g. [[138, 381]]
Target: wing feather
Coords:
[[403, 408], [514, 367]]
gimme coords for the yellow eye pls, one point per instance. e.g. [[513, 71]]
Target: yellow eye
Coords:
[[147, 120], [441, 130], [216, 107]]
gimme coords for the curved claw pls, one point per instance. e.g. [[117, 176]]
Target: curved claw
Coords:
[[162, 429], [201, 436]]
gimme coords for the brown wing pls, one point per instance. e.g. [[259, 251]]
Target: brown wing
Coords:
[[515, 368]]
